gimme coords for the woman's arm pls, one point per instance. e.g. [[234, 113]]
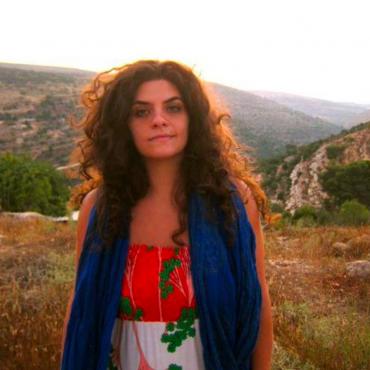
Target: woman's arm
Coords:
[[262, 355]]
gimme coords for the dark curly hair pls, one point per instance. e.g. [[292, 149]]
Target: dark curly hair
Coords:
[[110, 162]]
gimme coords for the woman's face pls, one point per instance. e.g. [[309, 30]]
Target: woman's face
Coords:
[[159, 121]]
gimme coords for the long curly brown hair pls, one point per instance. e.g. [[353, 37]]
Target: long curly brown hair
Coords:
[[110, 162]]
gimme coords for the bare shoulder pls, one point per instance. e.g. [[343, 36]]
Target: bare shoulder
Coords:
[[83, 218], [249, 200], [242, 187], [90, 198], [86, 205]]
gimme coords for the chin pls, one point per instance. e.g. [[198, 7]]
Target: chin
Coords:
[[164, 156]]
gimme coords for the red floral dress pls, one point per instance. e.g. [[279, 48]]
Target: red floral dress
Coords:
[[157, 326]]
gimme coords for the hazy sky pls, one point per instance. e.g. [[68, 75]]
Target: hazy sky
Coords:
[[318, 48]]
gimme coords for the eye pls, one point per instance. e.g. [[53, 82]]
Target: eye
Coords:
[[174, 108], [140, 112]]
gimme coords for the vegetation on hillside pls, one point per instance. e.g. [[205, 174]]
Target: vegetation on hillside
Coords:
[[342, 182], [293, 154], [349, 213], [268, 126], [22, 77], [346, 182]]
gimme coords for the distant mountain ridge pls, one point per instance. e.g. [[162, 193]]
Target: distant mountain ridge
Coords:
[[270, 126], [36, 101], [362, 117], [342, 114], [51, 69]]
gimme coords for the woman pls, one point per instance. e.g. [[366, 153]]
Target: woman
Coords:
[[170, 265]]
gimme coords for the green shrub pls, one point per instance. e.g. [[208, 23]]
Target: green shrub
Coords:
[[353, 213], [306, 221], [276, 207], [348, 182], [324, 217], [305, 211], [280, 195], [309, 149], [335, 151], [29, 185]]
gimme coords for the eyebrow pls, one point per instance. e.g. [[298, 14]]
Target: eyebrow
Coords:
[[166, 101]]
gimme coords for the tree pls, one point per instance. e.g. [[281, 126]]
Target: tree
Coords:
[[353, 213], [29, 185], [306, 211], [335, 151], [351, 181]]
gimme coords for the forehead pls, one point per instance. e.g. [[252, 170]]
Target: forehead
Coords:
[[156, 90]]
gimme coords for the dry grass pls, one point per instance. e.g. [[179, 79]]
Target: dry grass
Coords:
[[321, 316], [37, 268]]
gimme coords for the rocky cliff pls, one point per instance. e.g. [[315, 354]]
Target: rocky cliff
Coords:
[[303, 173]]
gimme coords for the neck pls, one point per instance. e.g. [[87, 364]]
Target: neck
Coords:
[[163, 175]]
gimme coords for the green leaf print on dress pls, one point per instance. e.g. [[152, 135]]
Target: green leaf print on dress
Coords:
[[184, 326], [169, 266], [128, 311], [174, 367], [180, 330]]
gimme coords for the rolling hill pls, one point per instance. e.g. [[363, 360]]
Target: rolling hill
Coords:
[[345, 115], [269, 126], [37, 101]]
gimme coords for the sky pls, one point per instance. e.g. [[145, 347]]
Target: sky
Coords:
[[314, 48]]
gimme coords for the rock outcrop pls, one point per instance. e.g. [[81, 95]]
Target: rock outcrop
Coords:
[[305, 186]]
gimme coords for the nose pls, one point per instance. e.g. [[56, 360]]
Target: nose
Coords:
[[159, 118]]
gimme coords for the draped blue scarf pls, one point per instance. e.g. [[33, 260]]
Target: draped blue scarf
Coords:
[[226, 286]]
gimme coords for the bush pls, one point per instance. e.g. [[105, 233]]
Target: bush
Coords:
[[276, 207], [306, 221], [28, 185], [324, 217], [335, 151], [305, 211], [348, 182], [353, 213]]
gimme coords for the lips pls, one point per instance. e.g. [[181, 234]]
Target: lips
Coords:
[[160, 137]]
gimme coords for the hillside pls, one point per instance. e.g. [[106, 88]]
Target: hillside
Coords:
[[36, 102], [50, 69], [293, 180], [34, 111], [269, 126], [345, 115]]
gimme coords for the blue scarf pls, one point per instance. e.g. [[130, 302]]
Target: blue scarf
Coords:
[[226, 286]]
